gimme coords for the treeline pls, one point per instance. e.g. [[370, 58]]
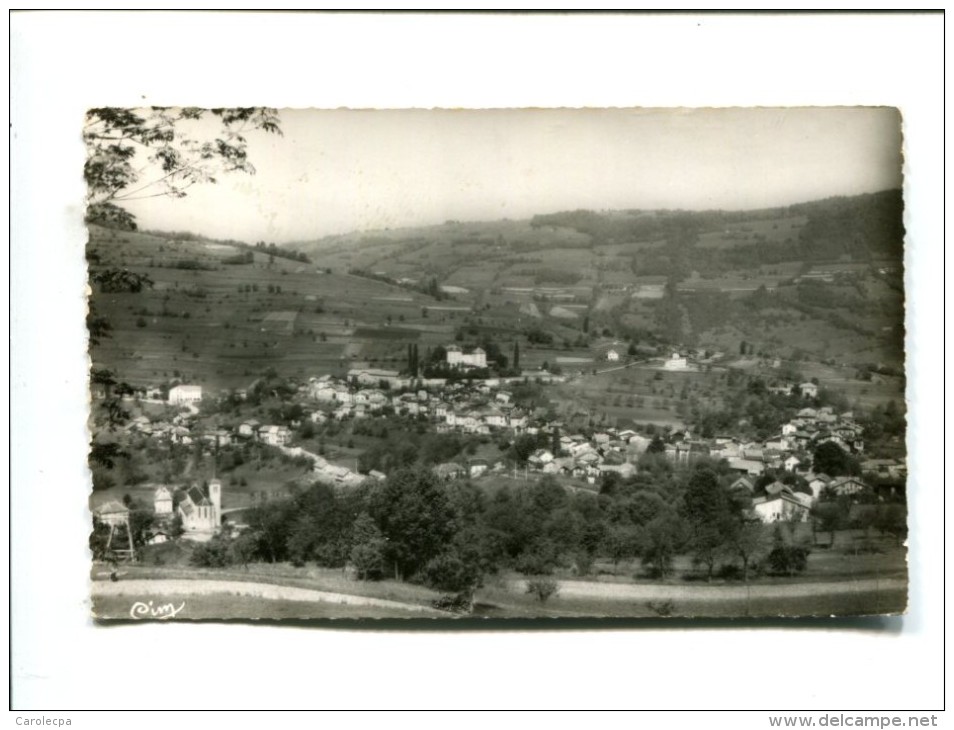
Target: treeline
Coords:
[[283, 253], [864, 227], [430, 287], [452, 535]]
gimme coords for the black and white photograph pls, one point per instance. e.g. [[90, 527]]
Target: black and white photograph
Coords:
[[490, 360], [496, 363]]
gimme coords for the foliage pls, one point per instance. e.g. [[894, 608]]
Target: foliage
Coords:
[[662, 539], [455, 603], [367, 548], [414, 515], [829, 458], [543, 588], [139, 153], [216, 553], [788, 559]]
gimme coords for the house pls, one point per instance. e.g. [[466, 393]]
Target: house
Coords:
[[612, 356], [783, 505], [676, 362], [477, 467], [181, 395], [808, 390], [746, 466], [848, 486], [624, 470], [791, 463], [249, 429], [540, 457], [201, 515], [274, 435], [456, 357], [162, 501], [449, 470], [742, 483], [818, 484]]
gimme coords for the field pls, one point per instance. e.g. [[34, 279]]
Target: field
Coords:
[[221, 323]]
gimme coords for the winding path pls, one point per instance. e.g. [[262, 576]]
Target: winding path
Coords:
[[649, 592]]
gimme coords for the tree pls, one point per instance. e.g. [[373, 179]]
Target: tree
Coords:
[[159, 151], [543, 588], [243, 548], [788, 559], [829, 517], [456, 570], [661, 539], [621, 542], [367, 548], [414, 515], [748, 542], [829, 458], [516, 356], [708, 514]]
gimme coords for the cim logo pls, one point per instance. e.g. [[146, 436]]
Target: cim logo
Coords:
[[142, 610]]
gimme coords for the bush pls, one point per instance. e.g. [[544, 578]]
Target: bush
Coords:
[[455, 603], [788, 559], [661, 608], [543, 588], [729, 571], [212, 554], [534, 563]]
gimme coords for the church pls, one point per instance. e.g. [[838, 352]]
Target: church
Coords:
[[201, 515]]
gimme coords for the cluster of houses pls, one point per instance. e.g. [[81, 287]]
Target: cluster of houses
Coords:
[[475, 407], [486, 407]]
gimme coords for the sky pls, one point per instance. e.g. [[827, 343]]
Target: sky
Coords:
[[337, 171]]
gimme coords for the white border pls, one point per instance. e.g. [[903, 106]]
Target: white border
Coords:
[[65, 62]]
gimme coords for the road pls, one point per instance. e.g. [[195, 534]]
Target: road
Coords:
[[697, 592], [137, 589]]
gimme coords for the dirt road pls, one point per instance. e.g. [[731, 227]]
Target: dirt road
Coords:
[[656, 592], [139, 588]]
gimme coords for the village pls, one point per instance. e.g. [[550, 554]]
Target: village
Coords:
[[778, 474]]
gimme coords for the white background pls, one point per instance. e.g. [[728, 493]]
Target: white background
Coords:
[[63, 63]]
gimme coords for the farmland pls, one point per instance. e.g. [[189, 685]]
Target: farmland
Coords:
[[221, 323]]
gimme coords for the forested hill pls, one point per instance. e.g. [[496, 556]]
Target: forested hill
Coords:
[[861, 228]]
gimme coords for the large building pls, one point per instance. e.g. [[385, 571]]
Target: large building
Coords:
[[181, 395], [201, 515], [676, 362], [458, 358]]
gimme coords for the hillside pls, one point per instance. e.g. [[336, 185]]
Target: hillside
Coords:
[[817, 282]]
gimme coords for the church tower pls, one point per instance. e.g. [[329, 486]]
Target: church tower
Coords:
[[215, 497]]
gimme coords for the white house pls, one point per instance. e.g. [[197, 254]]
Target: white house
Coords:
[[457, 357], [808, 390], [784, 506], [612, 356], [676, 362], [817, 484], [162, 501], [848, 486], [181, 395], [274, 435]]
